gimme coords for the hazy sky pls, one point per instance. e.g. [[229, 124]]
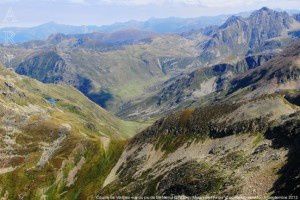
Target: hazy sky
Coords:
[[99, 12]]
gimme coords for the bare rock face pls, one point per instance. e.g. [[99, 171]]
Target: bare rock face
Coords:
[[50, 149], [222, 149], [240, 35], [265, 24]]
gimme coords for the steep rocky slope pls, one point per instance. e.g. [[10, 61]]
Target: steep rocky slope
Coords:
[[247, 149], [263, 30], [245, 144], [281, 72], [186, 89], [225, 149], [54, 141]]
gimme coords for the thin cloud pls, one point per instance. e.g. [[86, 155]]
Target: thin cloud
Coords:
[[99, 12], [204, 3], [199, 3]]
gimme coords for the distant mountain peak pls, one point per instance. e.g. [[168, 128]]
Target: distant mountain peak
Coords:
[[51, 23], [268, 11], [232, 20], [265, 9], [271, 18], [238, 33]]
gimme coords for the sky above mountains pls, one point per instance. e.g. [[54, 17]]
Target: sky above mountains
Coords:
[[100, 12]]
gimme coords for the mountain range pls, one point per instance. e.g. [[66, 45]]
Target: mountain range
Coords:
[[157, 25], [116, 69], [205, 111]]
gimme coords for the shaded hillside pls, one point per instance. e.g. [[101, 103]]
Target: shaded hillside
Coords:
[[266, 73], [282, 72], [47, 67]]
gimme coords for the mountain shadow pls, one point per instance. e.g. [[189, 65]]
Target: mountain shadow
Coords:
[[287, 136], [101, 98]]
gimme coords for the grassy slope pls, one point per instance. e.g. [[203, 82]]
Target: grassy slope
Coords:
[[33, 123]]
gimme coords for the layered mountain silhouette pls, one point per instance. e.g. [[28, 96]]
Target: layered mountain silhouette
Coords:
[[116, 68], [158, 25]]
